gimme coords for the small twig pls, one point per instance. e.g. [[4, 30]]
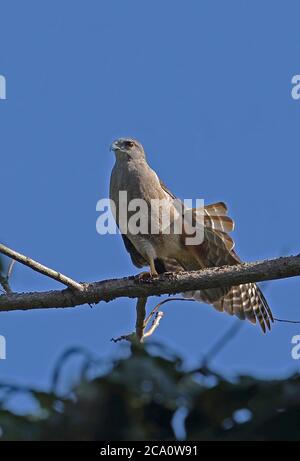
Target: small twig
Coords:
[[139, 325], [158, 316], [131, 337], [140, 318], [5, 284], [10, 268], [155, 309], [36, 266], [4, 280], [286, 321]]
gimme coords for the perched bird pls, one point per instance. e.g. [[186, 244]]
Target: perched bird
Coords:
[[169, 252]]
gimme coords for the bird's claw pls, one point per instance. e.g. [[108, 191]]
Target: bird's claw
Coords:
[[146, 277]]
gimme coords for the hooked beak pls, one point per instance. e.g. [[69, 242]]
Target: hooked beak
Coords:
[[114, 146]]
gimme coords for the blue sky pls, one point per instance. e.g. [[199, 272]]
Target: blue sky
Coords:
[[206, 87]]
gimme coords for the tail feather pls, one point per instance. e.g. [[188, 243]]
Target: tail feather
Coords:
[[244, 301]]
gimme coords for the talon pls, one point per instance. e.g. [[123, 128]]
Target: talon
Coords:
[[147, 276], [144, 276]]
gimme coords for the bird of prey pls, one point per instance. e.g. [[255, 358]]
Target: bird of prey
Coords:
[[170, 253]]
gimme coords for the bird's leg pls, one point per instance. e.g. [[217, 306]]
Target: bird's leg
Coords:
[[153, 271]]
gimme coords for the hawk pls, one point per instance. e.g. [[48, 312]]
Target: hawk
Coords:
[[164, 252]]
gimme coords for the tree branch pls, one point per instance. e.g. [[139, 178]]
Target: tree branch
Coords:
[[5, 284], [134, 287], [39, 268], [155, 324], [140, 318], [4, 279]]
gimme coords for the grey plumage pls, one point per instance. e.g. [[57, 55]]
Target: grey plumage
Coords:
[[131, 173]]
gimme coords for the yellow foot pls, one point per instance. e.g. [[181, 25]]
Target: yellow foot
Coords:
[[144, 276], [147, 276]]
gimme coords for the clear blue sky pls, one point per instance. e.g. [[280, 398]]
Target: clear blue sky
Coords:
[[205, 86]]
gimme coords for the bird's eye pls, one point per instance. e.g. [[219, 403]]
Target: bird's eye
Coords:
[[129, 143]]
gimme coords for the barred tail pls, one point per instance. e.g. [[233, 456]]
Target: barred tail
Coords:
[[244, 301]]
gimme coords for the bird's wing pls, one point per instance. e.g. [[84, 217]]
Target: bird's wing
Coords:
[[245, 301], [164, 187], [136, 257]]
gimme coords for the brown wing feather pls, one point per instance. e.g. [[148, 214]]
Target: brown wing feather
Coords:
[[244, 301], [136, 257]]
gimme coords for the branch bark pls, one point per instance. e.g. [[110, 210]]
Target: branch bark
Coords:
[[134, 287], [140, 318], [38, 267]]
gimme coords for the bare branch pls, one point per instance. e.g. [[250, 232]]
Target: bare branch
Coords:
[[4, 280], [131, 337], [158, 316], [10, 268], [140, 318], [39, 268], [134, 287], [168, 300], [5, 284]]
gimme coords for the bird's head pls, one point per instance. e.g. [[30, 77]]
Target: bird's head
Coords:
[[128, 148]]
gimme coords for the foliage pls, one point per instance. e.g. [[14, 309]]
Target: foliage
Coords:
[[139, 396]]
